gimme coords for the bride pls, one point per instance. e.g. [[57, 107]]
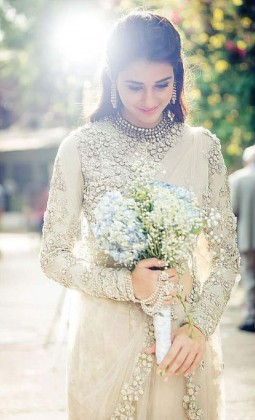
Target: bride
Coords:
[[112, 373]]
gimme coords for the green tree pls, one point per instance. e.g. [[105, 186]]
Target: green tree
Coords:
[[37, 89], [219, 44]]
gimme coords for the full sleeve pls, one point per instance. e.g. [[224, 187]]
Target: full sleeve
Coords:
[[61, 225], [221, 242]]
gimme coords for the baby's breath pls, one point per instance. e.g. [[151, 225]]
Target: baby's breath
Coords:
[[155, 219]]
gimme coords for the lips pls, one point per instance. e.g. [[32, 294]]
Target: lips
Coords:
[[148, 110]]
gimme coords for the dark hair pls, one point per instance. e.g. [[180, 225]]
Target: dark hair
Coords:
[[142, 35]]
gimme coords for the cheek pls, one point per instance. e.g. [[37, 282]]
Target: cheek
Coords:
[[128, 97], [167, 94]]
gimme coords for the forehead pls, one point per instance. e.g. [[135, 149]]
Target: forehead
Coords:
[[146, 71]]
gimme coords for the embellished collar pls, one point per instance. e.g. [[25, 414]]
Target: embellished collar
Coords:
[[164, 127]]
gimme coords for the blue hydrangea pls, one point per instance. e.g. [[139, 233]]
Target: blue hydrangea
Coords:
[[118, 229], [155, 220]]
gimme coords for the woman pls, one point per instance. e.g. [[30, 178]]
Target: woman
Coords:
[[112, 373]]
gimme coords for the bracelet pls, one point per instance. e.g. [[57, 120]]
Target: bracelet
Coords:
[[153, 304], [153, 297], [153, 309], [129, 288]]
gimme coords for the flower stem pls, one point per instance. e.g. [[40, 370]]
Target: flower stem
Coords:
[[188, 316]]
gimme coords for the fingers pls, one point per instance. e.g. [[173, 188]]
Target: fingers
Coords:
[[170, 299], [183, 357], [176, 363], [155, 262], [172, 294], [187, 363], [194, 365], [169, 358], [171, 272], [168, 275], [151, 262], [151, 350], [169, 302]]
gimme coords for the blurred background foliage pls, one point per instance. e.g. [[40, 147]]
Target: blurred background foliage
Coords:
[[42, 86]]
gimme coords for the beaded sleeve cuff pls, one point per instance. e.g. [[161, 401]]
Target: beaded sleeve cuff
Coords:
[[129, 288]]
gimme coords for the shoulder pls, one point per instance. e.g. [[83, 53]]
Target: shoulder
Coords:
[[237, 174], [207, 138], [85, 135], [241, 174], [202, 137], [210, 147], [69, 143]]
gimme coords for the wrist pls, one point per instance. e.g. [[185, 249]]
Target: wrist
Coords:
[[196, 331], [199, 333]]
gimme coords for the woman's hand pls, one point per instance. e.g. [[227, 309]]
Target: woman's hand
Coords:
[[145, 280], [185, 353]]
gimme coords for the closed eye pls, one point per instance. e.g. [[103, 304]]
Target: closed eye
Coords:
[[134, 88], [137, 88], [162, 86]]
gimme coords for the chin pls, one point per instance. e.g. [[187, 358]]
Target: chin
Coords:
[[149, 119], [143, 119]]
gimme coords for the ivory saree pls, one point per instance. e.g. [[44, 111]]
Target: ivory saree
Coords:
[[109, 374]]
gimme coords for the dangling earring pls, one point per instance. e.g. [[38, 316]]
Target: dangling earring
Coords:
[[173, 99], [170, 115], [114, 95]]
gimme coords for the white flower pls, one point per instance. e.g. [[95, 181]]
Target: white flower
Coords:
[[155, 220]]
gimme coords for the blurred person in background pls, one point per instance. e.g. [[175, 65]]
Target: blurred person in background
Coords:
[[2, 201], [2, 205], [242, 184]]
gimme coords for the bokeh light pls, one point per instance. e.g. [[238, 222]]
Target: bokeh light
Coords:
[[78, 37]]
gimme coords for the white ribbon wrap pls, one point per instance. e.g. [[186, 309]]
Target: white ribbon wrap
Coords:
[[162, 331]]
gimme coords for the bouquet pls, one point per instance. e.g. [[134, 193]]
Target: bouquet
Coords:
[[154, 219]]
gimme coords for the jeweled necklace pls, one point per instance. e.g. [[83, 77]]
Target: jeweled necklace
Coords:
[[164, 127]]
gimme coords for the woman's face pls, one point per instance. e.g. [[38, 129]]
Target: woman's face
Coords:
[[145, 88]]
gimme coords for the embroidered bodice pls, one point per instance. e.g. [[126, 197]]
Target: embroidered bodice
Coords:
[[101, 157], [110, 159]]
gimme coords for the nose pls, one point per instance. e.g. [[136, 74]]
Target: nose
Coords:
[[149, 99]]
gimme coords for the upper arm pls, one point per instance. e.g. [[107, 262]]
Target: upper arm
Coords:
[[69, 175], [62, 216]]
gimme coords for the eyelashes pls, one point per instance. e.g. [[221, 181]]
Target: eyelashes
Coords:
[[162, 86], [134, 88], [138, 88]]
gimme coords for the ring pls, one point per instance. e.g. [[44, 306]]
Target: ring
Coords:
[[168, 297], [163, 276], [168, 287]]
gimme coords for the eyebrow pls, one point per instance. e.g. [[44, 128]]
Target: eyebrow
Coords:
[[140, 83]]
